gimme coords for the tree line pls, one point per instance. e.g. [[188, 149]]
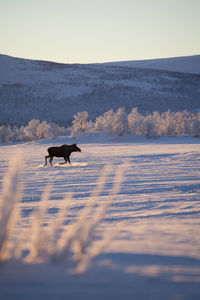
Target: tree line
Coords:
[[118, 122]]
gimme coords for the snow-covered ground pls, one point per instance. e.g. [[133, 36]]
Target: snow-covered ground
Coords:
[[155, 251]]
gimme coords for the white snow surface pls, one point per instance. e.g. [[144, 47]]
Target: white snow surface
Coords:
[[156, 251]]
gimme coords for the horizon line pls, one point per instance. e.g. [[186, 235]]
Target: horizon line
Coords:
[[104, 62]]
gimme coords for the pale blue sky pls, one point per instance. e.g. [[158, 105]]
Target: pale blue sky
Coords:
[[85, 31]]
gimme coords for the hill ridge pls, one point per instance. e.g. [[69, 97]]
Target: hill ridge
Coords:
[[55, 92]]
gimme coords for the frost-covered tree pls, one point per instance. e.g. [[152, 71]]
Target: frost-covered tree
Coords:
[[167, 123], [34, 130], [135, 120], [17, 134], [30, 130], [12, 134], [148, 126], [112, 122], [5, 133], [156, 118], [182, 122], [195, 125], [42, 130], [55, 131], [80, 124], [119, 122], [104, 123]]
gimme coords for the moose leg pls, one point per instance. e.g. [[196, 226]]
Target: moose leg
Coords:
[[65, 158], [51, 159], [62, 163], [68, 159], [46, 160]]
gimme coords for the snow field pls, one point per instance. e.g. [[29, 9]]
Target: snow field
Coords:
[[156, 213]]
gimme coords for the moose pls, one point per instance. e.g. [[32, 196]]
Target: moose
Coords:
[[62, 151]]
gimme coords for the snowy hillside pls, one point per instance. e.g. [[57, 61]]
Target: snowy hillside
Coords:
[[146, 243], [55, 92], [186, 64]]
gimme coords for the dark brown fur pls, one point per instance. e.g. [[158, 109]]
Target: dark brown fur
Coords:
[[62, 151]]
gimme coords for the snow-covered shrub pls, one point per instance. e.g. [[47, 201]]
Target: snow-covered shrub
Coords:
[[182, 122], [36, 130], [17, 134], [112, 122], [195, 125], [135, 120], [167, 123], [5, 134], [30, 130], [33, 131], [80, 124], [12, 134], [49, 130], [55, 131], [148, 126], [104, 123], [156, 118], [177, 123], [120, 125], [42, 130]]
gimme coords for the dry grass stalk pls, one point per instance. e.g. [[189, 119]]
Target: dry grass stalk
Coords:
[[55, 242]]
